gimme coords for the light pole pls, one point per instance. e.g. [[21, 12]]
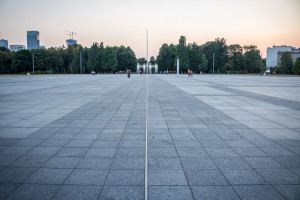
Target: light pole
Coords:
[[260, 64], [33, 64], [80, 63], [213, 63], [147, 53]]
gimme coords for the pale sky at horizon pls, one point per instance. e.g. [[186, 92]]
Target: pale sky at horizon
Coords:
[[124, 22]]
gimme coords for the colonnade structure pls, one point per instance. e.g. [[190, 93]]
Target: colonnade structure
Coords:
[[153, 69]]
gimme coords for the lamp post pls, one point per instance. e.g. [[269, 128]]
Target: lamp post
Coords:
[[33, 64]]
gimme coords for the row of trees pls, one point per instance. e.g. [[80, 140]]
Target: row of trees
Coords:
[[287, 66], [198, 58], [67, 60]]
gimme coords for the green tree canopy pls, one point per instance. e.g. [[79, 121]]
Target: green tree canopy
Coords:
[[152, 60], [296, 68], [286, 63], [251, 59], [182, 54], [22, 61]]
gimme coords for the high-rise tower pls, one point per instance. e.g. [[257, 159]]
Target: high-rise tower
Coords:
[[33, 40]]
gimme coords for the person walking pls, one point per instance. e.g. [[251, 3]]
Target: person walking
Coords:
[[128, 73]]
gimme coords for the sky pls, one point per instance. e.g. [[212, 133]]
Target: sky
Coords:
[[263, 23]]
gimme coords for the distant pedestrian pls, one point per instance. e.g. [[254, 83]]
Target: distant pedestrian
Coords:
[[128, 73], [189, 72]]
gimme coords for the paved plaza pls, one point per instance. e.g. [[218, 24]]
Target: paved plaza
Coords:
[[209, 137]]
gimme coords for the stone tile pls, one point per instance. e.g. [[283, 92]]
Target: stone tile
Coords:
[[28, 142], [87, 177], [15, 175], [130, 152], [74, 152], [291, 192], [263, 163], [191, 152], [101, 152], [15, 150], [6, 189], [34, 191], [221, 152], [128, 163], [214, 192], [254, 192], [250, 152], [62, 162], [30, 161], [79, 143], [125, 177], [243, 177], [198, 163], [5, 160], [49, 176], [205, 177], [164, 163], [43, 151], [106, 143], [279, 176], [231, 163], [78, 192], [94, 163], [53, 143], [170, 192], [162, 153], [122, 192], [166, 177]]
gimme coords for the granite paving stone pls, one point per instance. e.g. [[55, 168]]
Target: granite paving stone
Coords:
[[209, 137]]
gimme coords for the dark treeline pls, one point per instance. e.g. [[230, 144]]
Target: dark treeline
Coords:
[[198, 58], [67, 60]]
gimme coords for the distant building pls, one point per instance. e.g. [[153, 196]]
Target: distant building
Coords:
[[42, 47], [16, 47], [295, 54], [33, 40], [4, 43], [71, 42], [272, 58]]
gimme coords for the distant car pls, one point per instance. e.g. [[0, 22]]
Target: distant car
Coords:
[[268, 71]]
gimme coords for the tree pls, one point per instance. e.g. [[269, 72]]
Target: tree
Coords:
[[142, 61], [132, 61], [41, 60], [110, 61], [195, 57], [296, 68], [235, 57], [126, 59], [182, 54], [203, 63], [208, 49], [166, 57], [251, 59], [221, 54], [93, 58], [286, 63], [5, 60], [22, 61], [152, 60]]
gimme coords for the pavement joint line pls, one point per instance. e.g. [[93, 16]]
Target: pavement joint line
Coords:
[[146, 146]]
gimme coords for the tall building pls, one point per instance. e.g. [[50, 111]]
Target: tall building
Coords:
[[33, 40], [295, 53], [71, 42], [4, 43], [16, 47], [272, 58]]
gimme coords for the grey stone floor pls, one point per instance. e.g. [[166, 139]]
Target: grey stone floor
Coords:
[[209, 137]]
